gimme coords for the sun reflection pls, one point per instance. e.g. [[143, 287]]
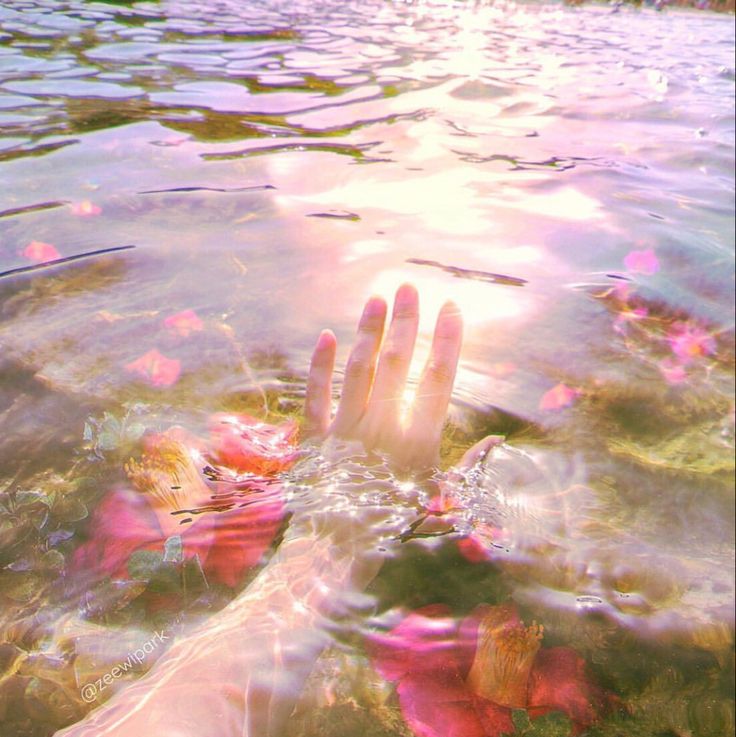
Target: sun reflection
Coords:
[[478, 301]]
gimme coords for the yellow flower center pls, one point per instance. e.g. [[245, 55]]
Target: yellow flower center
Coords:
[[168, 473], [504, 658]]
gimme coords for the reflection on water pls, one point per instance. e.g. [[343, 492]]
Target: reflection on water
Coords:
[[190, 196]]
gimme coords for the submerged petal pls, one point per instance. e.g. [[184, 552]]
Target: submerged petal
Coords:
[[559, 682], [247, 445], [241, 537], [642, 262], [40, 252], [558, 397], [439, 705], [184, 323], [155, 368], [121, 524], [424, 642]]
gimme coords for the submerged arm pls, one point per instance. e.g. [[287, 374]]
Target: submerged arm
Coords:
[[242, 671]]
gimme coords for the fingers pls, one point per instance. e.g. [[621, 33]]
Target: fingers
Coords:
[[360, 367], [382, 415], [435, 387], [317, 404]]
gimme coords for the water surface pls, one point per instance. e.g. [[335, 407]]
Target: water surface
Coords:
[[565, 175]]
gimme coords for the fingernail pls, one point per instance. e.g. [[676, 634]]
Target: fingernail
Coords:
[[406, 300], [374, 306], [325, 340]]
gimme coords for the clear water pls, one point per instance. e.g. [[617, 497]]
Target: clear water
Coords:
[[273, 165]]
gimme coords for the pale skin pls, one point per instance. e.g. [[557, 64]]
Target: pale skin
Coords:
[[241, 673]]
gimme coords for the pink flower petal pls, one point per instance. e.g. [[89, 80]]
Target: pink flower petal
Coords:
[[425, 641], [122, 523], [558, 397], [439, 705], [673, 373], [183, 323], [559, 682], [246, 445], [155, 368], [689, 342], [85, 209], [242, 535], [642, 262], [40, 252]]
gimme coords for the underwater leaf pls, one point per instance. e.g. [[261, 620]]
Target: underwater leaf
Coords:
[[70, 509], [194, 578], [52, 560], [135, 431], [521, 721], [173, 550], [143, 564], [23, 498]]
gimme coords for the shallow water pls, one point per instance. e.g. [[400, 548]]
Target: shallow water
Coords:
[[565, 175]]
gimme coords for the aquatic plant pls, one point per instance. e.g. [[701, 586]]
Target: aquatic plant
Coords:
[[469, 678]]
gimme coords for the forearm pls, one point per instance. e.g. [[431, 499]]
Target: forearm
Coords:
[[240, 673]]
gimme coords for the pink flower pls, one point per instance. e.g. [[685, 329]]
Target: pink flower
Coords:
[[229, 531], [85, 209], [558, 397], [642, 262], [40, 252], [689, 342], [155, 368], [673, 372], [183, 323], [464, 679]]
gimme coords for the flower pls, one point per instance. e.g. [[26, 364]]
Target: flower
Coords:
[[642, 262], [689, 342], [558, 397], [183, 323], [464, 679], [85, 209], [155, 368], [40, 252], [228, 530]]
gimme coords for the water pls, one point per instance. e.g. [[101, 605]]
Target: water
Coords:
[[565, 175]]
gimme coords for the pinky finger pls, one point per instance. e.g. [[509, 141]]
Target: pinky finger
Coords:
[[318, 400]]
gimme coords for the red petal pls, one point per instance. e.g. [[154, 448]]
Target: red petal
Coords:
[[424, 642], [241, 537], [496, 720], [121, 524], [40, 252], [438, 705], [247, 445], [558, 397], [559, 682], [155, 368]]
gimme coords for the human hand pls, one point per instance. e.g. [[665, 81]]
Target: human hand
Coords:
[[370, 408]]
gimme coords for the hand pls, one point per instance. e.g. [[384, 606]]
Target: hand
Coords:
[[375, 378]]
